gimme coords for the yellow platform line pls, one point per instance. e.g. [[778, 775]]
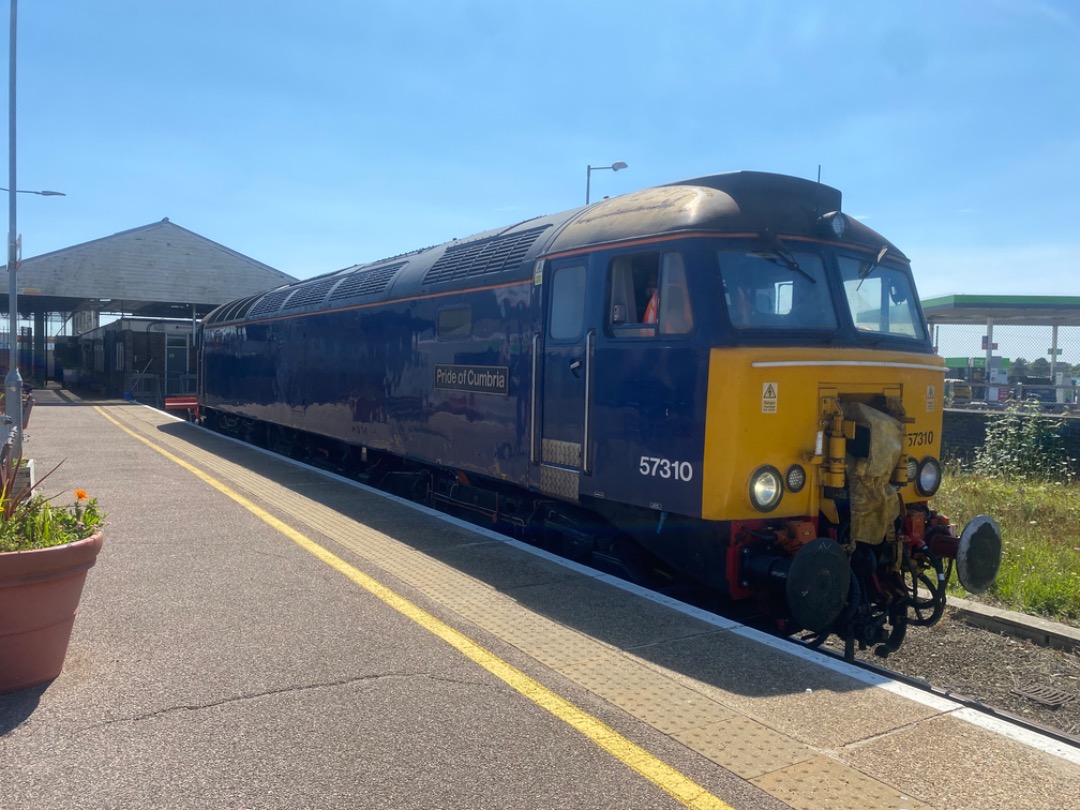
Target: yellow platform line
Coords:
[[671, 781]]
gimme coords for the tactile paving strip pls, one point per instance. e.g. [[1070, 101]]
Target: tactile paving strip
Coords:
[[822, 782], [641, 691], [744, 746]]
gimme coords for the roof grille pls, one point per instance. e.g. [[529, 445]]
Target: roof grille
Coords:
[[365, 281], [486, 256], [245, 306], [270, 302], [310, 294], [229, 312]]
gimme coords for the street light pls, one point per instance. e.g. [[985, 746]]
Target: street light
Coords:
[[590, 169], [42, 193], [13, 380]]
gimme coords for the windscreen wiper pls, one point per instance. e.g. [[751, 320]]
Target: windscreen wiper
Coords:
[[785, 258], [871, 265]]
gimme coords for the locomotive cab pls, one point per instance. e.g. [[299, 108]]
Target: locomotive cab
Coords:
[[757, 403]]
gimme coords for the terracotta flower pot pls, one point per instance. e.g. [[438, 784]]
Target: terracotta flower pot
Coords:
[[39, 597]]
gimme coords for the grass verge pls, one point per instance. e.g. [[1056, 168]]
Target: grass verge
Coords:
[[1040, 525]]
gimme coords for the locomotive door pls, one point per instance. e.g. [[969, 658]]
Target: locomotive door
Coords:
[[565, 379]]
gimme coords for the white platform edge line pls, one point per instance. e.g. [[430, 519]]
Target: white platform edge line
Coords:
[[1032, 739]]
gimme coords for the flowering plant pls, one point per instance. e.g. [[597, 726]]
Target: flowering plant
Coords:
[[29, 521]]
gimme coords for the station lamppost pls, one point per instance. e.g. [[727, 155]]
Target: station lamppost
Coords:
[[590, 169], [13, 381]]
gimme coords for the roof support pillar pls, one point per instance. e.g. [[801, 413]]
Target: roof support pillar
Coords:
[[40, 367]]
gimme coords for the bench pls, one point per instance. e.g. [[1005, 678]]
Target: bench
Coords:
[[184, 403]]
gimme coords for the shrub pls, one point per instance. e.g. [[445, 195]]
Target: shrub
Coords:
[[1024, 443]]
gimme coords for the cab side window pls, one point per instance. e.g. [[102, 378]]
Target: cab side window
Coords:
[[567, 303], [675, 316], [649, 296]]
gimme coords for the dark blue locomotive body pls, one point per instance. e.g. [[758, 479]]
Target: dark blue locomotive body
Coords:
[[726, 377], [453, 357]]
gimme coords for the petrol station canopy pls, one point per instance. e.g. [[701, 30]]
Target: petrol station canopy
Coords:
[[1004, 310]]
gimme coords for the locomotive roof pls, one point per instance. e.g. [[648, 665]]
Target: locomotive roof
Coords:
[[735, 203]]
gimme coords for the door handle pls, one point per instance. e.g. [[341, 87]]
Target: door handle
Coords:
[[575, 368]]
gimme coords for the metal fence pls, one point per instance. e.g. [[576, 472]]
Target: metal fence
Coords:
[[1010, 363]]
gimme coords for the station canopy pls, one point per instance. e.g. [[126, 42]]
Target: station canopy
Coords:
[[157, 271], [1004, 310]]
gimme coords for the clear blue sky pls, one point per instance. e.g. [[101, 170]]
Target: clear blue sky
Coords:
[[316, 135]]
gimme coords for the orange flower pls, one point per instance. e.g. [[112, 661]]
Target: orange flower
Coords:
[[81, 495]]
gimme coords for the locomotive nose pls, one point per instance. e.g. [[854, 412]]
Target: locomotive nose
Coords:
[[817, 584]]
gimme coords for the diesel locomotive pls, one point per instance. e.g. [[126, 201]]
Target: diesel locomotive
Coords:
[[725, 381]]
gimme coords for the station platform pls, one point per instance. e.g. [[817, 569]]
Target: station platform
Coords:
[[256, 634]]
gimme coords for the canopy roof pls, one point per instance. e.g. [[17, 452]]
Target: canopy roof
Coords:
[[159, 270]]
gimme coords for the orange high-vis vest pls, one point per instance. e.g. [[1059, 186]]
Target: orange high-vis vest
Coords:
[[653, 306]]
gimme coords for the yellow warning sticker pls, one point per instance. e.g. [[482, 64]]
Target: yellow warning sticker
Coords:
[[768, 397], [931, 398]]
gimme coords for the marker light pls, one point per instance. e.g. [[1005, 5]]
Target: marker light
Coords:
[[795, 478], [833, 224], [766, 488], [928, 478]]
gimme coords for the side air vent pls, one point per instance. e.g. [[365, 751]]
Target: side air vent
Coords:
[[271, 302], [483, 257], [308, 295], [365, 282]]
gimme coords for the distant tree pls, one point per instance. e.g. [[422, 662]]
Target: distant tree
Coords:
[[1018, 370], [1040, 367]]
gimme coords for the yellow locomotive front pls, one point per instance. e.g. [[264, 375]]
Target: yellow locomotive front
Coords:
[[823, 440]]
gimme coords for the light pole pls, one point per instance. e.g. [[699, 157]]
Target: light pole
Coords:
[[13, 380], [590, 169]]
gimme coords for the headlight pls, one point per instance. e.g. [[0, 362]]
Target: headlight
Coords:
[[795, 478], [928, 478], [912, 469], [766, 488]]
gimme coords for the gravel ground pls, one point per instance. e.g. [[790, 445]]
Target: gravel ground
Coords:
[[987, 666]]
